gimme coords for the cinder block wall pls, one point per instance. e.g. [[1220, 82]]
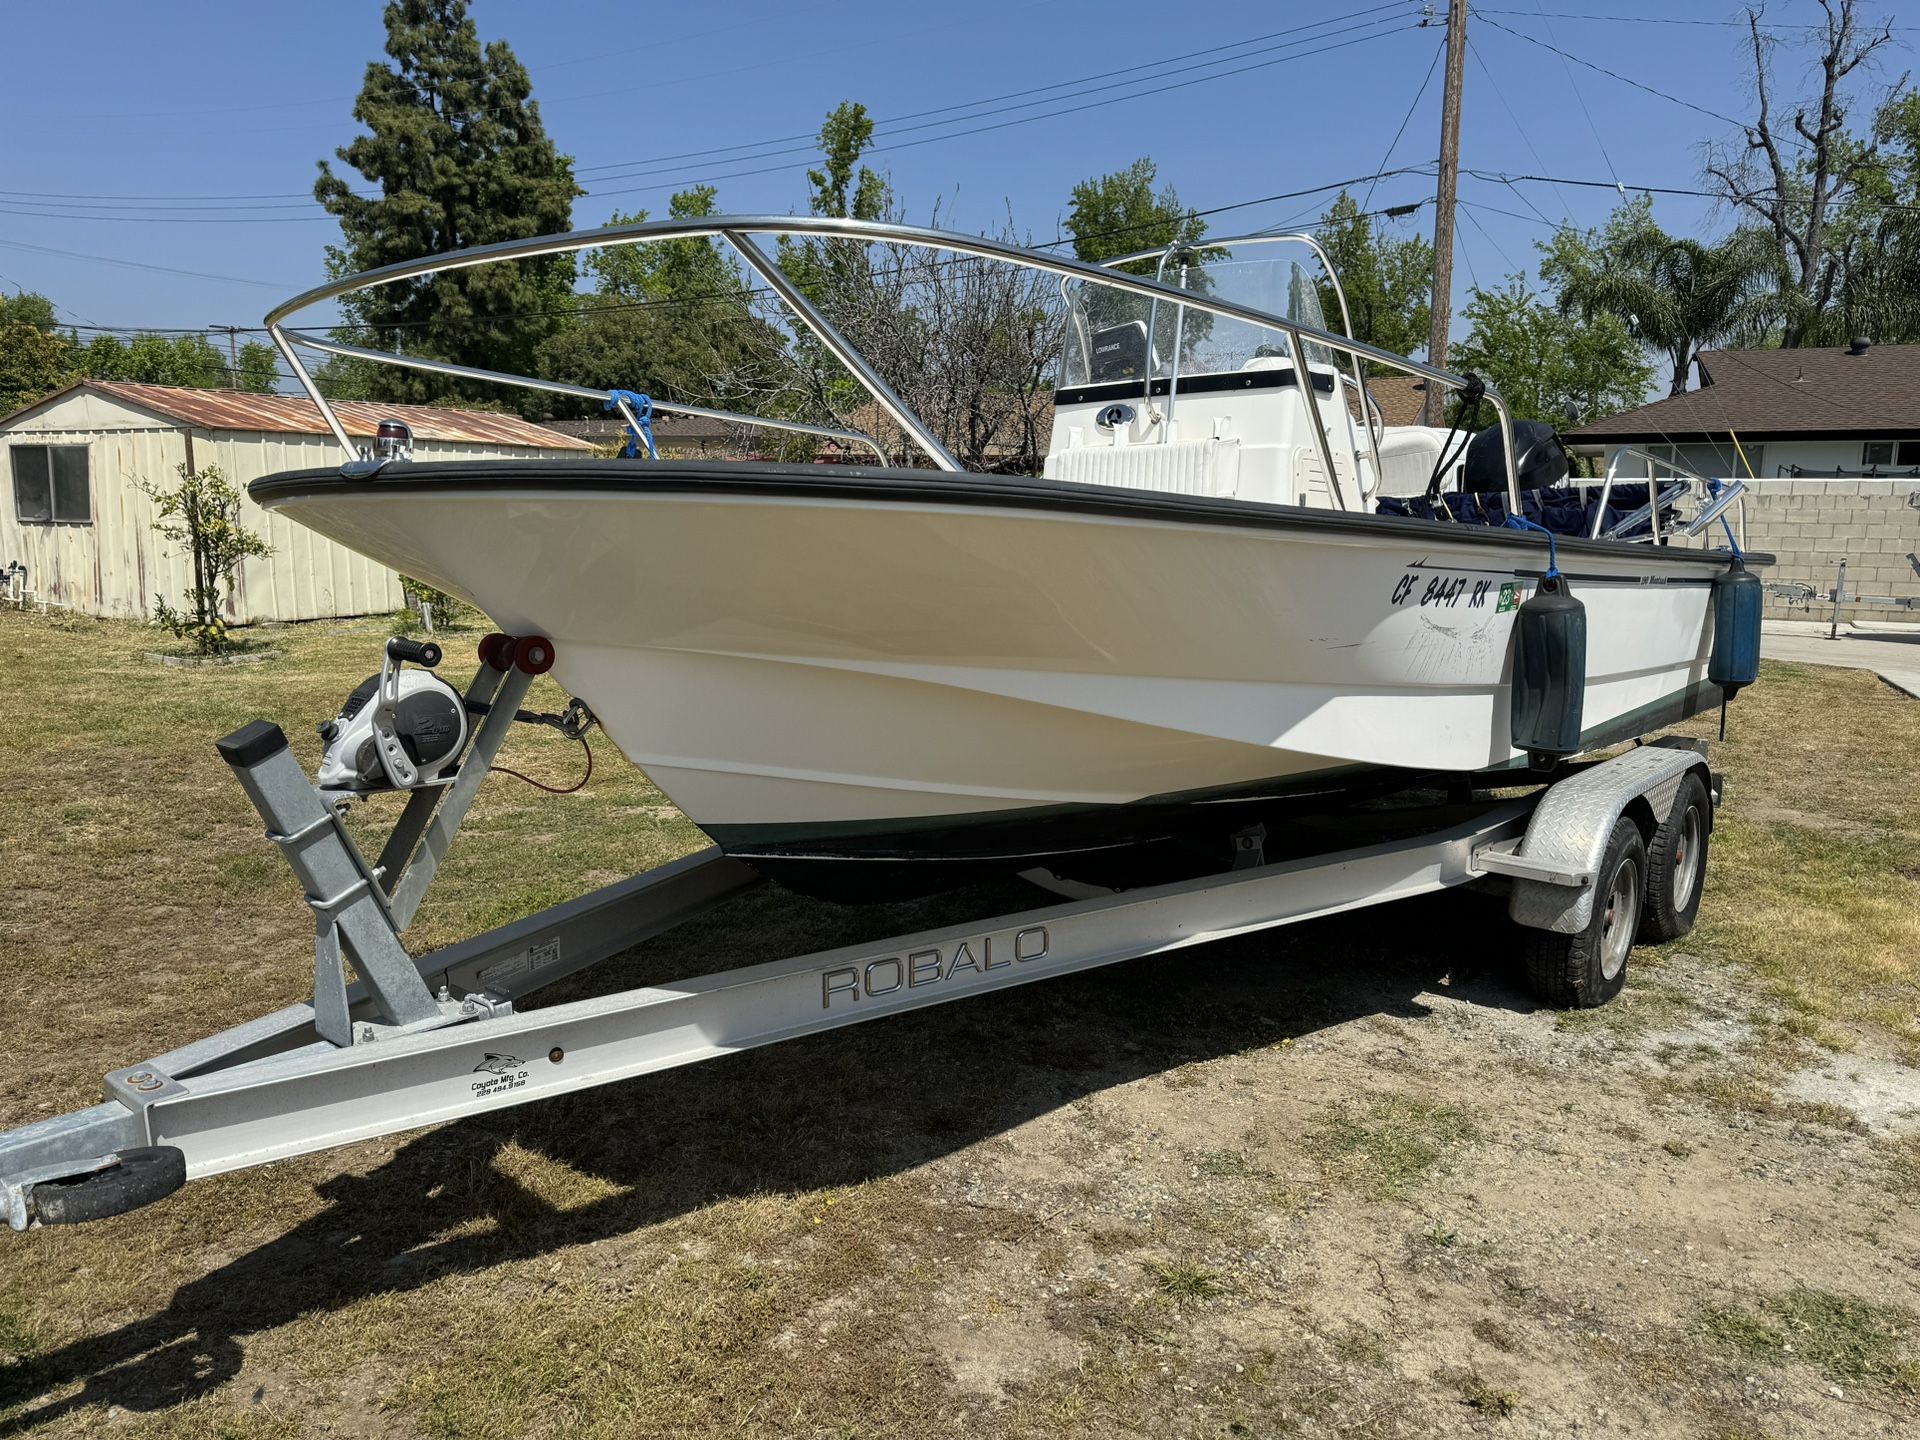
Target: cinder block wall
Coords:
[[1812, 525]]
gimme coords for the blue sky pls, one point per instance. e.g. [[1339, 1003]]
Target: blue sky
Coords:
[[229, 105]]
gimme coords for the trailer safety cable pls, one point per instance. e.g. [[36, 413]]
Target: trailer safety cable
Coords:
[[541, 784], [574, 722], [1520, 522]]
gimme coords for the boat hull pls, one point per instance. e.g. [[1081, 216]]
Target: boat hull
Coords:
[[910, 669]]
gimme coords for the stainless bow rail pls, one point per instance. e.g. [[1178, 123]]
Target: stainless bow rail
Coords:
[[738, 232]]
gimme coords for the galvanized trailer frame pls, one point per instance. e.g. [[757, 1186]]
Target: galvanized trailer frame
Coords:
[[415, 1042]]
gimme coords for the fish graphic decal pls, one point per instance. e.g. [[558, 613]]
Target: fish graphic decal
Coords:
[[498, 1064]]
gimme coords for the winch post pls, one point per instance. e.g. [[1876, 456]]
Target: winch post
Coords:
[[421, 804], [351, 918], [503, 692]]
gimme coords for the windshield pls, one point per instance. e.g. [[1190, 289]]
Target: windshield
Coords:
[[1108, 330]]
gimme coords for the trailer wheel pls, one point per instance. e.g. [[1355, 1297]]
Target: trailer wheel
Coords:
[[141, 1177], [1677, 866], [1578, 972]]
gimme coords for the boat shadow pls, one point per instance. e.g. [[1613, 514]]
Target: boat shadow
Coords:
[[827, 1111]]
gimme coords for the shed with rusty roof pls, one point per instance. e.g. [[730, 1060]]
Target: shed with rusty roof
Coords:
[[79, 464]]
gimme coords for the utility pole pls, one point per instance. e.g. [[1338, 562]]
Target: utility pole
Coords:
[[233, 353], [1449, 184]]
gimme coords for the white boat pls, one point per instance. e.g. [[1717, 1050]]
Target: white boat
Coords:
[[864, 678]]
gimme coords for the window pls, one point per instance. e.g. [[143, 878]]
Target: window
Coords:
[[50, 485], [1905, 453]]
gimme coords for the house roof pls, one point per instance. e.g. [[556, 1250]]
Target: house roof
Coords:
[[1400, 397], [1782, 394], [297, 415]]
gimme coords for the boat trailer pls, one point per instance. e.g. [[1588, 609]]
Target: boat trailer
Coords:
[[1613, 853], [1798, 592]]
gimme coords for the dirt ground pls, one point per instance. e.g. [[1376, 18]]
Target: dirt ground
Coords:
[[1342, 1179]]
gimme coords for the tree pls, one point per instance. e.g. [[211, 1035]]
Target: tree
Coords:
[[970, 345], [1802, 203], [1388, 279], [24, 307], [835, 274], [203, 514], [1673, 294], [259, 368], [35, 358], [674, 319], [1546, 363], [459, 155], [150, 359], [1119, 213], [33, 364], [841, 186]]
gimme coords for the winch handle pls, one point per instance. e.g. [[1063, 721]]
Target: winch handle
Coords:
[[420, 652]]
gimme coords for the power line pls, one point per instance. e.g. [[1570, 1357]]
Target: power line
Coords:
[[1418, 95], [685, 181], [1029, 119], [140, 265], [629, 169], [1613, 75], [1511, 214], [734, 296], [884, 125], [1499, 249], [1655, 20], [1520, 129], [1498, 178], [170, 218]]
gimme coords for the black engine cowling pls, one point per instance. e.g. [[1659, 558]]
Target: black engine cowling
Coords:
[[1538, 452]]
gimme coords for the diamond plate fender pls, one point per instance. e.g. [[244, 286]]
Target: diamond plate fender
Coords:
[[1570, 828]]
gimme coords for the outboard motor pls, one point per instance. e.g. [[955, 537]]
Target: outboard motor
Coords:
[[398, 730], [1538, 452]]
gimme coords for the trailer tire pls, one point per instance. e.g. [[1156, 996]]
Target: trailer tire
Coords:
[[144, 1175], [1580, 971], [1677, 866]]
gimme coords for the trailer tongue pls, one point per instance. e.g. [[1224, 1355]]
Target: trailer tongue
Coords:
[[416, 1041]]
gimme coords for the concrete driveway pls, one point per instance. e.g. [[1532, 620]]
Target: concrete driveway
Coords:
[[1889, 650]]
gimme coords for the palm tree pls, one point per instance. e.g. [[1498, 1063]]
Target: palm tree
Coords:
[[1680, 296]]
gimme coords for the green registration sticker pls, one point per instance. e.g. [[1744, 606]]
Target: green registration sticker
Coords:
[[1509, 598]]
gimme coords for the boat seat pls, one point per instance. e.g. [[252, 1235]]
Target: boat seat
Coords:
[[1563, 509]]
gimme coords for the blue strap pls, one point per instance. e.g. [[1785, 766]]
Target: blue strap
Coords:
[[1520, 522], [642, 407], [1713, 489]]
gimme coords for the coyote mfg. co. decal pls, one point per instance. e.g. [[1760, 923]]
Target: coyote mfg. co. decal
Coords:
[[502, 1072]]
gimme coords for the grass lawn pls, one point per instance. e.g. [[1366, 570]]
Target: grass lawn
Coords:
[[1341, 1179]]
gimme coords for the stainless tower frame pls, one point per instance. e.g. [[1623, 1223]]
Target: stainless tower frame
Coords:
[[737, 231]]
